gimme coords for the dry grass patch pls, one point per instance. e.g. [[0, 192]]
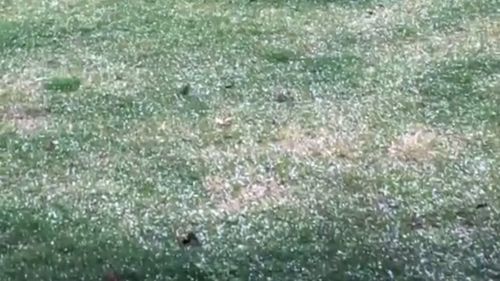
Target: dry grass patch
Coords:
[[20, 91], [220, 155], [27, 120], [416, 145], [317, 143], [240, 194], [24, 84], [422, 144]]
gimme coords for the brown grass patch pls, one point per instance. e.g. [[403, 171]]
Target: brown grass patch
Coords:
[[421, 144], [232, 196], [318, 143], [19, 92], [25, 84], [418, 145], [27, 120]]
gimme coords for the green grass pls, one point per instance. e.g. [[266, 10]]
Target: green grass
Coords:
[[382, 164], [63, 84]]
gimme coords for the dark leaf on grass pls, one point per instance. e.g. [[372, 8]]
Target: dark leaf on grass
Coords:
[[185, 90], [189, 239], [283, 96], [481, 205]]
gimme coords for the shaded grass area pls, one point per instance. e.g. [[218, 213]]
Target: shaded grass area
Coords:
[[67, 246], [54, 243], [300, 140], [451, 91]]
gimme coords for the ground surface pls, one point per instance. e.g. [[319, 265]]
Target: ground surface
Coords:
[[327, 140]]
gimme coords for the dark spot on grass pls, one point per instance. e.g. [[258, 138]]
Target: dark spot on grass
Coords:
[[185, 90], [63, 84], [481, 205], [189, 240], [283, 96], [229, 84]]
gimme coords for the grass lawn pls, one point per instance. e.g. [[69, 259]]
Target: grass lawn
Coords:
[[298, 140]]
